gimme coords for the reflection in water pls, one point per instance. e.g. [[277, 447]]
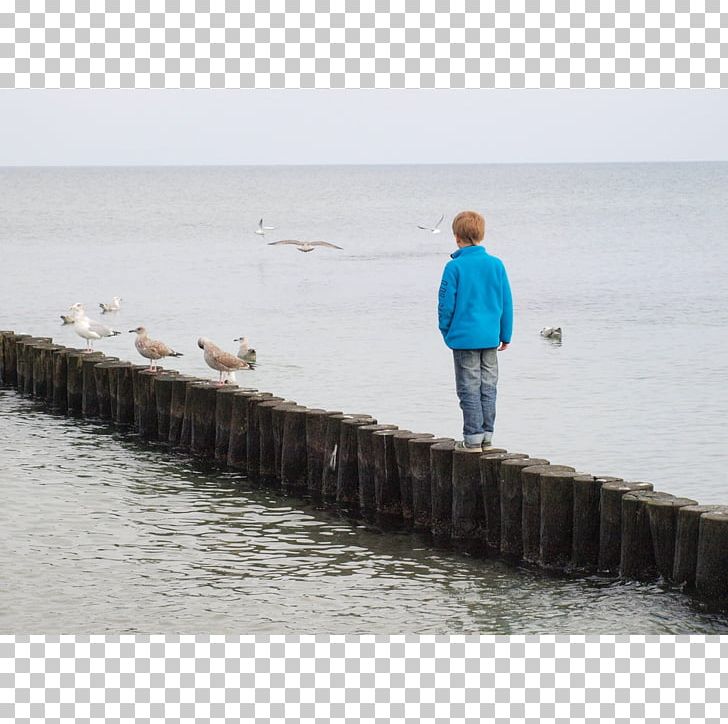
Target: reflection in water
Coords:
[[103, 533]]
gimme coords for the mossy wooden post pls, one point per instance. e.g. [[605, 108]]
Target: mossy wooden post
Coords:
[[386, 480], [238, 447], [662, 514], [510, 490], [366, 494], [468, 510], [5, 333], [316, 422], [294, 465], [531, 509], [223, 422], [686, 543], [253, 438], [121, 385], [637, 560], [401, 440], [490, 463], [441, 454], [163, 388], [347, 479], [711, 572], [145, 403], [610, 522], [100, 379], [180, 412], [266, 446], [557, 518], [330, 472], [10, 347], [203, 403], [277, 416], [587, 520], [421, 475]]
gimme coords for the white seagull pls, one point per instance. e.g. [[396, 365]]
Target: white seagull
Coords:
[[113, 306], [433, 229], [87, 328], [219, 359], [305, 245], [244, 351], [262, 229], [551, 332], [152, 349]]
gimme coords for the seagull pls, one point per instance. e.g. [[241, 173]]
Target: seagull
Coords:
[[219, 359], [262, 229], [113, 306], [68, 319], [305, 245], [87, 328], [152, 349], [434, 229], [244, 352], [551, 332]]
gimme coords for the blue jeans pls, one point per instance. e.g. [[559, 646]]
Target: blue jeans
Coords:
[[476, 377]]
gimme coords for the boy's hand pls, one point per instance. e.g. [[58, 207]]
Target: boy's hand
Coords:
[[502, 346]]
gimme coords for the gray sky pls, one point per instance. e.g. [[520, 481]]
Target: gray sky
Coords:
[[109, 127]]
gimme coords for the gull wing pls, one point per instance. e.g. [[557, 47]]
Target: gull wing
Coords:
[[325, 243], [229, 360], [285, 241], [440, 221], [101, 329], [159, 348]]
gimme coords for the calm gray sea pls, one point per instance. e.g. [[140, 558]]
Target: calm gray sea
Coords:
[[99, 534]]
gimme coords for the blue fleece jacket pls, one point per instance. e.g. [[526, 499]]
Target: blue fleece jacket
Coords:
[[475, 308]]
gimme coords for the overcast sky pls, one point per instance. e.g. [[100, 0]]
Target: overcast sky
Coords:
[[109, 127]]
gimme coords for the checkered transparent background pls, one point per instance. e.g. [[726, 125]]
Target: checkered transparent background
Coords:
[[368, 678], [363, 44]]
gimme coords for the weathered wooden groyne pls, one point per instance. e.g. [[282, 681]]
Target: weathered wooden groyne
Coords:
[[498, 504]]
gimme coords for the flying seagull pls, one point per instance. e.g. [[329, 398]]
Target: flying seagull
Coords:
[[219, 359], [305, 245], [262, 229], [113, 306], [434, 229], [88, 329], [152, 349]]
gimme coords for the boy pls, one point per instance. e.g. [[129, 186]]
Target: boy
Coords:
[[475, 313]]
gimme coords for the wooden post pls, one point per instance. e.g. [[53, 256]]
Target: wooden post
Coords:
[[662, 514], [10, 347], [366, 494], [686, 543], [294, 467], [239, 420], [59, 401], [510, 489], [587, 520], [468, 510], [121, 392], [610, 522], [347, 480], [316, 422], [103, 387], [43, 370], [74, 379], [386, 480], [223, 423], [711, 573], [266, 451], [637, 561], [89, 398], [180, 412], [489, 482], [557, 518], [401, 440], [145, 403], [441, 454], [25, 356], [421, 474], [203, 399], [5, 333], [332, 437], [253, 440], [531, 516], [163, 388], [277, 417]]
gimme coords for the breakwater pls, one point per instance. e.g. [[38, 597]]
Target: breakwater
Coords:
[[499, 504]]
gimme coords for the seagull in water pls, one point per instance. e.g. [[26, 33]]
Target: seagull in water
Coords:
[[305, 245], [433, 229], [113, 306], [152, 349], [551, 332], [219, 359], [244, 351], [262, 229], [87, 328]]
